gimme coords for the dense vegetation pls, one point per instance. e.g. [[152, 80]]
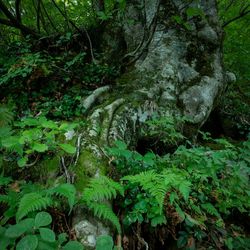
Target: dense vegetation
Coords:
[[195, 194]]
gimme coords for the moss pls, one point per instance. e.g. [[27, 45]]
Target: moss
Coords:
[[47, 170], [87, 166]]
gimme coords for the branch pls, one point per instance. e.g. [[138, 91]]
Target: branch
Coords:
[[12, 21], [229, 5], [241, 14], [6, 12], [6, 22], [48, 17], [19, 26], [74, 25], [38, 12], [17, 9]]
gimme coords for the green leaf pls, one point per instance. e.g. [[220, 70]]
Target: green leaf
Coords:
[[66, 190], [5, 132], [120, 144], [73, 245], [4, 242], [191, 220], [49, 124], [31, 202], [29, 122], [15, 231], [229, 243], [68, 126], [149, 158], [210, 209], [172, 197], [194, 12], [104, 242], [28, 242], [62, 238], [47, 234], [158, 220], [42, 219], [22, 162], [184, 189], [5, 180], [10, 142], [43, 245], [179, 211], [68, 148], [40, 147], [178, 19]]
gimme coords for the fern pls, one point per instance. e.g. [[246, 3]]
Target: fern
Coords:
[[4, 180], [105, 212], [184, 189], [11, 198], [155, 184], [65, 190], [6, 115], [4, 199], [209, 208], [102, 188], [99, 190], [32, 202]]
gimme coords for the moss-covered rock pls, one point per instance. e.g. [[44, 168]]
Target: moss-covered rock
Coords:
[[88, 165]]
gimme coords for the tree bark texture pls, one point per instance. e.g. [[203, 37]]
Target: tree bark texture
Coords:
[[172, 66]]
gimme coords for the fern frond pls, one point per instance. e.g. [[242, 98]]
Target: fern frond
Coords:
[[99, 190], [102, 188], [4, 180], [185, 189], [6, 115], [105, 212], [209, 208], [65, 190], [156, 185], [32, 202], [4, 199], [196, 209], [11, 198]]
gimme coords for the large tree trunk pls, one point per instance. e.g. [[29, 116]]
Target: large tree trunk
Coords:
[[173, 66]]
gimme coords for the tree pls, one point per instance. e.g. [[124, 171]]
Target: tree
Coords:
[[170, 54]]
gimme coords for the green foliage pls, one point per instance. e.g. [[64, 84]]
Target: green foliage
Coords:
[[27, 198], [104, 242], [34, 233], [35, 136], [235, 104], [31, 202], [190, 13], [191, 187], [67, 191], [32, 229], [167, 129], [23, 68], [156, 186], [66, 76], [6, 116], [130, 162], [98, 191]]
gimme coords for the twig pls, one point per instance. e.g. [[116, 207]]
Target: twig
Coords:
[[78, 145], [79, 30], [141, 240], [65, 170], [33, 163], [241, 14]]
